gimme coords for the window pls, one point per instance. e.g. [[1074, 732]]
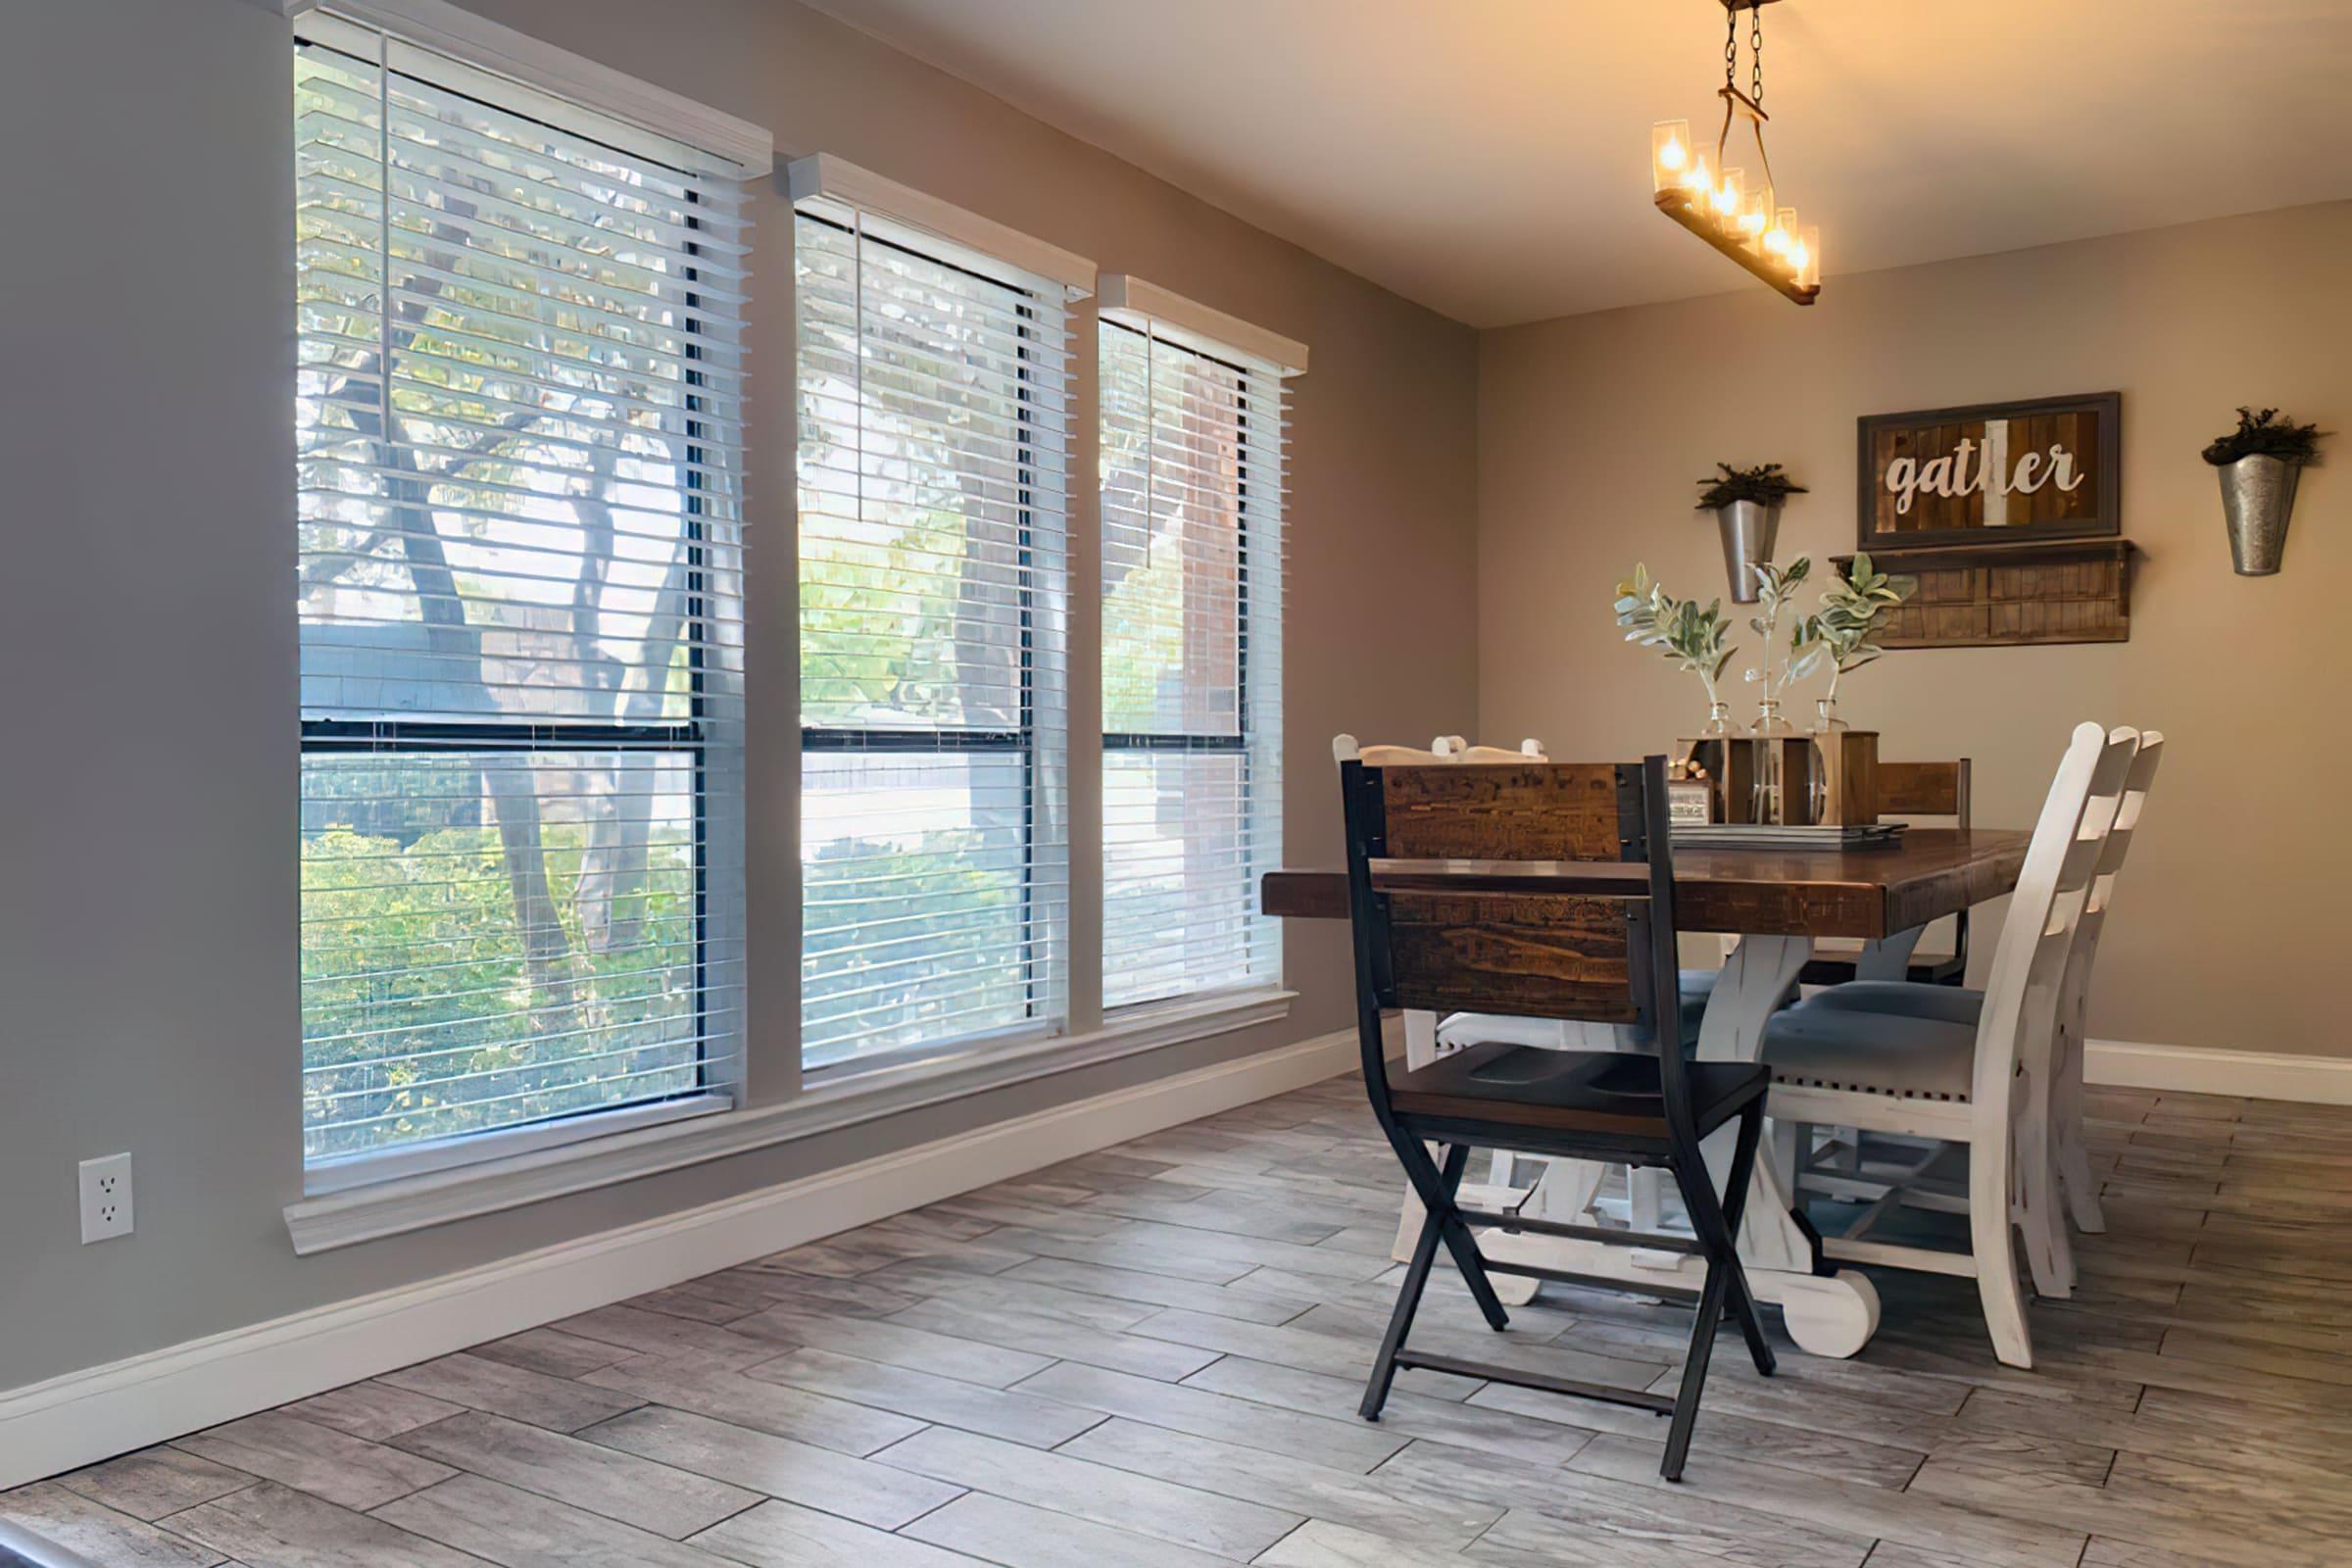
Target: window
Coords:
[[1191, 653], [933, 473], [520, 514]]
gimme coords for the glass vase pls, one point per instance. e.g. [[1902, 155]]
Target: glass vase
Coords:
[[1826, 720], [1720, 724], [1767, 803]]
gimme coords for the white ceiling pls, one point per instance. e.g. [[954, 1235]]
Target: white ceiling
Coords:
[[1490, 157]]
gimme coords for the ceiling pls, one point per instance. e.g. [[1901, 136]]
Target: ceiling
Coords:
[[1490, 157]]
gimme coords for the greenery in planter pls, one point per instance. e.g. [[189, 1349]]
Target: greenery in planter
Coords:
[[2264, 435], [1765, 485], [1852, 610], [1691, 637]]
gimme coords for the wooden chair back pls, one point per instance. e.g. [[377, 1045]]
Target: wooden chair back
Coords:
[[2037, 934], [1925, 789], [2117, 845], [1445, 922]]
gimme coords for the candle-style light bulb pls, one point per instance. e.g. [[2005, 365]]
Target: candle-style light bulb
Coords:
[[1782, 235], [1669, 154]]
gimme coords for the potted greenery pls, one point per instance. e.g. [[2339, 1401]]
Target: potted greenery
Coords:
[[2259, 462], [1691, 637], [1746, 503], [1852, 607]]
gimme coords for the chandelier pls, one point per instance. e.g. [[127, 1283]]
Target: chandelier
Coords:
[[1738, 214]]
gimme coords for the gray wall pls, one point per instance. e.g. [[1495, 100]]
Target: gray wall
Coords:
[[148, 926]]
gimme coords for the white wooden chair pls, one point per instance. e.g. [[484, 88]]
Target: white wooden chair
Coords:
[[1963, 1084], [2054, 1172]]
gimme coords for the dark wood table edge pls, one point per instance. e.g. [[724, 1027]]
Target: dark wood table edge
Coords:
[[1837, 900]]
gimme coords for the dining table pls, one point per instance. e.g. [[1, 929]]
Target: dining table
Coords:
[[1771, 906]]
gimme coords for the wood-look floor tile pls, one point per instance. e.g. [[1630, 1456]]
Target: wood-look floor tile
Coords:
[[1293, 1348], [1345, 1445], [1564, 1356], [1397, 1503], [783, 1535], [1407, 1415], [632, 1328], [269, 1526], [153, 1482], [1993, 1540], [1119, 1251], [559, 1405], [519, 1528], [1320, 1544], [1015, 1415], [1721, 1434], [799, 1472], [1250, 1250], [1105, 1494], [314, 1458], [900, 1340], [1003, 1292], [551, 1352], [373, 1409], [1161, 1289], [1018, 1534], [2153, 1501], [1052, 1337], [619, 1485], [724, 1393], [67, 1519], [1582, 1517]]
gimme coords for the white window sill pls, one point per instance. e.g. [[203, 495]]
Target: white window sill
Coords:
[[845, 1099]]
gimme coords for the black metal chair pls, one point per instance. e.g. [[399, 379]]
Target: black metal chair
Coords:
[[1541, 891]]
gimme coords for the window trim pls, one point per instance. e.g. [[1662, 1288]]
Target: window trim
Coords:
[[1119, 314], [826, 178], [576, 97], [327, 1221]]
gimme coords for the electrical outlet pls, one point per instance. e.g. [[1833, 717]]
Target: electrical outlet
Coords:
[[105, 1198]]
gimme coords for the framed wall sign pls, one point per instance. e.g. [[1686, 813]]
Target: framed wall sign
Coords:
[[1991, 473]]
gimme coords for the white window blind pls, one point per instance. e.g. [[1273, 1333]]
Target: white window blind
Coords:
[[519, 460], [934, 474], [1192, 465]]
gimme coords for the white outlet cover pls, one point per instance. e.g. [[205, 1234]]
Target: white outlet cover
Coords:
[[106, 1211]]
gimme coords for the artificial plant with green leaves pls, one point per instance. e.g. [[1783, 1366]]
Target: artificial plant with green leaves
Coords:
[[2264, 435], [1765, 485], [1852, 609], [1693, 638], [1776, 586]]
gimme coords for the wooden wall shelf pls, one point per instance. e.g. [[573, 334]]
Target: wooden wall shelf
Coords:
[[2004, 594]]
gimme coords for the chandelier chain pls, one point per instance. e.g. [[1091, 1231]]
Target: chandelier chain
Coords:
[[1755, 53], [1731, 45]]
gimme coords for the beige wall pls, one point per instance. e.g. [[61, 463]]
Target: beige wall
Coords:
[[147, 927], [2232, 925]]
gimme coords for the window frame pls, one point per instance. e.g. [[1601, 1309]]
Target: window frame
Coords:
[[1244, 740], [490, 52], [1024, 740]]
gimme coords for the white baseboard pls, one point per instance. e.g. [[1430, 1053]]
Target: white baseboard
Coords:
[[2205, 1071], [73, 1420]]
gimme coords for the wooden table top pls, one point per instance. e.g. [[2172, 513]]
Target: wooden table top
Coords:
[[1820, 893]]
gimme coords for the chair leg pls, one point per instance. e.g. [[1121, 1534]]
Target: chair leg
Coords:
[[2073, 1163], [1416, 1279], [1990, 1240], [1742, 1300], [1695, 1363]]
